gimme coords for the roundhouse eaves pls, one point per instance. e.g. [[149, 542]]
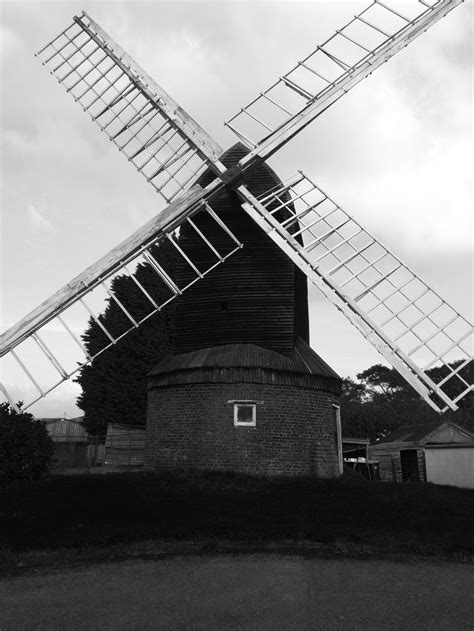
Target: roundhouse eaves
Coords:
[[303, 360]]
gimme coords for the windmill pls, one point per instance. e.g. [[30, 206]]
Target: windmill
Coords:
[[412, 327]]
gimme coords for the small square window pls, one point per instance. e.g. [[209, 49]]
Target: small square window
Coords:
[[245, 414]]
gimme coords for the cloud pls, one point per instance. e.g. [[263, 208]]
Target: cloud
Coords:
[[9, 42], [58, 403], [38, 220]]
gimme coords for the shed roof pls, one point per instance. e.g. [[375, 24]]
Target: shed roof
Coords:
[[356, 441], [419, 433]]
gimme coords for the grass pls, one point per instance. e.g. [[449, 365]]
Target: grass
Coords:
[[90, 510]]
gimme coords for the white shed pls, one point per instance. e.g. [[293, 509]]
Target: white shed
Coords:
[[402, 453], [451, 464]]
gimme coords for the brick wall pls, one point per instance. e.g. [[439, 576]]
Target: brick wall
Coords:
[[192, 426]]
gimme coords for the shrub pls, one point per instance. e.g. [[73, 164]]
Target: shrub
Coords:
[[26, 448]]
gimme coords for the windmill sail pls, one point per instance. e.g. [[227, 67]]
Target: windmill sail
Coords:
[[330, 71], [171, 151], [406, 321], [46, 347], [422, 336], [156, 135]]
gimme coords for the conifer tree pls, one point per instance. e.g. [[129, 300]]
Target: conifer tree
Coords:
[[114, 385]]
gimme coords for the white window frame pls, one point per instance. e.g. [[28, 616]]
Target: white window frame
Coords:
[[249, 404], [253, 422]]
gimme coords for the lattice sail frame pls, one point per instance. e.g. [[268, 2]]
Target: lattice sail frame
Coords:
[[351, 54], [34, 350], [171, 151], [406, 321], [158, 137]]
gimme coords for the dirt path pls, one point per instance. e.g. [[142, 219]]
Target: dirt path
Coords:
[[251, 592]]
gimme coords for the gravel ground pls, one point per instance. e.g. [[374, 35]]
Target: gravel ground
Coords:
[[255, 592]]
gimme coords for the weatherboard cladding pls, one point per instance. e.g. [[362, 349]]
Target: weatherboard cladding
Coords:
[[257, 297], [65, 430], [124, 445]]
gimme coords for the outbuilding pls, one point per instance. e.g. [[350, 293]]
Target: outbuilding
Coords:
[[70, 442], [402, 453]]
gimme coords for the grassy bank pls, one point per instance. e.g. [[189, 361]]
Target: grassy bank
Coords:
[[81, 511]]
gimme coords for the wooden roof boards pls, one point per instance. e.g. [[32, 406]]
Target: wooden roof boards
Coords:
[[247, 363]]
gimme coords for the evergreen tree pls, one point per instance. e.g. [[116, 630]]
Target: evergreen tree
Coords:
[[114, 385]]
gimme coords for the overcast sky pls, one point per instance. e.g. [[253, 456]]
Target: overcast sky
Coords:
[[396, 151]]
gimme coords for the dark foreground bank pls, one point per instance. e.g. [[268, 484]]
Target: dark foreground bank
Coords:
[[82, 511]]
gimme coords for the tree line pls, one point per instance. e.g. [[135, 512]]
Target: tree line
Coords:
[[380, 400]]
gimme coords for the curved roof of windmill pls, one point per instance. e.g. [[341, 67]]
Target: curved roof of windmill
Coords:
[[303, 361]]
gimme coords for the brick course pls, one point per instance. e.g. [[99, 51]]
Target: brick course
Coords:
[[191, 426]]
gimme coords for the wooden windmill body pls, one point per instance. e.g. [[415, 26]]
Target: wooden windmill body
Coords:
[[242, 388]]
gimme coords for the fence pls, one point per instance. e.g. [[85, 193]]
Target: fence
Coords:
[[387, 470], [124, 445], [121, 446]]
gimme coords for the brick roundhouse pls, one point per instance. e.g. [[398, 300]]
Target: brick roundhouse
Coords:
[[242, 389]]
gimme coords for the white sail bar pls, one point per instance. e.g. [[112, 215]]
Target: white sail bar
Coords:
[[156, 135], [332, 69], [48, 346], [422, 336]]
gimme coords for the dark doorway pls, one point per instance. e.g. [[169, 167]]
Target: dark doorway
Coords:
[[409, 464]]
